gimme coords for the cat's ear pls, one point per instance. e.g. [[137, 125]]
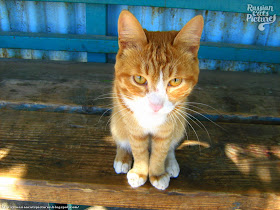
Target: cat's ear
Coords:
[[131, 33], [188, 38]]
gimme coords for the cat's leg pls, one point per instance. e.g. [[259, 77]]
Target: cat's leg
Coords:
[[171, 164], [137, 176], [123, 159], [159, 178]]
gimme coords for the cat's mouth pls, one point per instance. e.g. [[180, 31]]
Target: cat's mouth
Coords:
[[146, 106]]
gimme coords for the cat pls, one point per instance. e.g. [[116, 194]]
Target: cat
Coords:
[[154, 74]]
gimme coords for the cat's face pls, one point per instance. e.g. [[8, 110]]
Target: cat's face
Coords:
[[155, 71]]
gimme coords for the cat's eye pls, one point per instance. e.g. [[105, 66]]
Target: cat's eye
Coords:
[[140, 80], [175, 82]]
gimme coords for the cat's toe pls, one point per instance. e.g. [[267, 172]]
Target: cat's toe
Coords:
[[160, 182], [121, 167], [173, 169], [135, 179]]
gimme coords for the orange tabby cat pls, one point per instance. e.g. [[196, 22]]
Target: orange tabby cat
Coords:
[[154, 74]]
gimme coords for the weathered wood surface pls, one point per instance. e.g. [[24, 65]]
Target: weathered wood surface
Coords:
[[68, 158], [81, 83], [100, 43]]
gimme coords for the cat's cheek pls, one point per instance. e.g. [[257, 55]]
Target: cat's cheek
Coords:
[[130, 90], [136, 105], [168, 107], [179, 94]]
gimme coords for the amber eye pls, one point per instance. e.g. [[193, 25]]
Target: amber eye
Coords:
[[139, 80], [175, 82]]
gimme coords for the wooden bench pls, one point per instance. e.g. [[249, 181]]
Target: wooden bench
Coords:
[[96, 42], [55, 143], [65, 155]]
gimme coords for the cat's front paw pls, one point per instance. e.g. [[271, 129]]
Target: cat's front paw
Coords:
[[135, 179], [122, 167], [160, 182], [173, 168]]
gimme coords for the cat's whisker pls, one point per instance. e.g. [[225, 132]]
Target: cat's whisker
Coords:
[[109, 96], [202, 126], [113, 116], [187, 115], [173, 121], [126, 96], [104, 114], [121, 116], [181, 123], [190, 126], [100, 96], [116, 114], [197, 107], [108, 106], [204, 117], [190, 116], [189, 103], [203, 110]]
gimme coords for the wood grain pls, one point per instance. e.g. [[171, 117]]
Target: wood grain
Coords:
[[109, 44], [226, 6], [82, 83], [68, 158]]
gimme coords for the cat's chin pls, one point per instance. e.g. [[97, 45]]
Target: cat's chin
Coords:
[[150, 121]]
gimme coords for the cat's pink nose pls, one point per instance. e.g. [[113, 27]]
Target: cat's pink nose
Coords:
[[156, 107]]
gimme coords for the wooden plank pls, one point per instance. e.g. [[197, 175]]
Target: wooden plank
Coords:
[[68, 158], [107, 44], [70, 83], [219, 5], [82, 109], [236, 52], [62, 42], [96, 23]]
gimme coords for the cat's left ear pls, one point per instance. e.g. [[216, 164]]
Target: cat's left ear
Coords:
[[131, 33], [188, 38]]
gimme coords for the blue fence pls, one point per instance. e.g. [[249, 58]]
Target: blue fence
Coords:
[[87, 29]]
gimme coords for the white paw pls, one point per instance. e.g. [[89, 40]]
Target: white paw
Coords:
[[134, 179], [173, 169], [161, 182], [121, 167]]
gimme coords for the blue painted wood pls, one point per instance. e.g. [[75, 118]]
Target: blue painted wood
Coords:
[[238, 52], [239, 6], [106, 44], [96, 20], [60, 42], [103, 111]]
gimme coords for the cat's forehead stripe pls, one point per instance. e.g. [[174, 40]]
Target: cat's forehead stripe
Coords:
[[158, 55]]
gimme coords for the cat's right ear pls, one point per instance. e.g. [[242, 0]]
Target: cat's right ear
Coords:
[[188, 38], [131, 33]]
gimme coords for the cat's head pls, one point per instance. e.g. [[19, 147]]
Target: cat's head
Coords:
[[155, 71]]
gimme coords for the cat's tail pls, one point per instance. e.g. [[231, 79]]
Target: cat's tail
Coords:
[[193, 143]]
